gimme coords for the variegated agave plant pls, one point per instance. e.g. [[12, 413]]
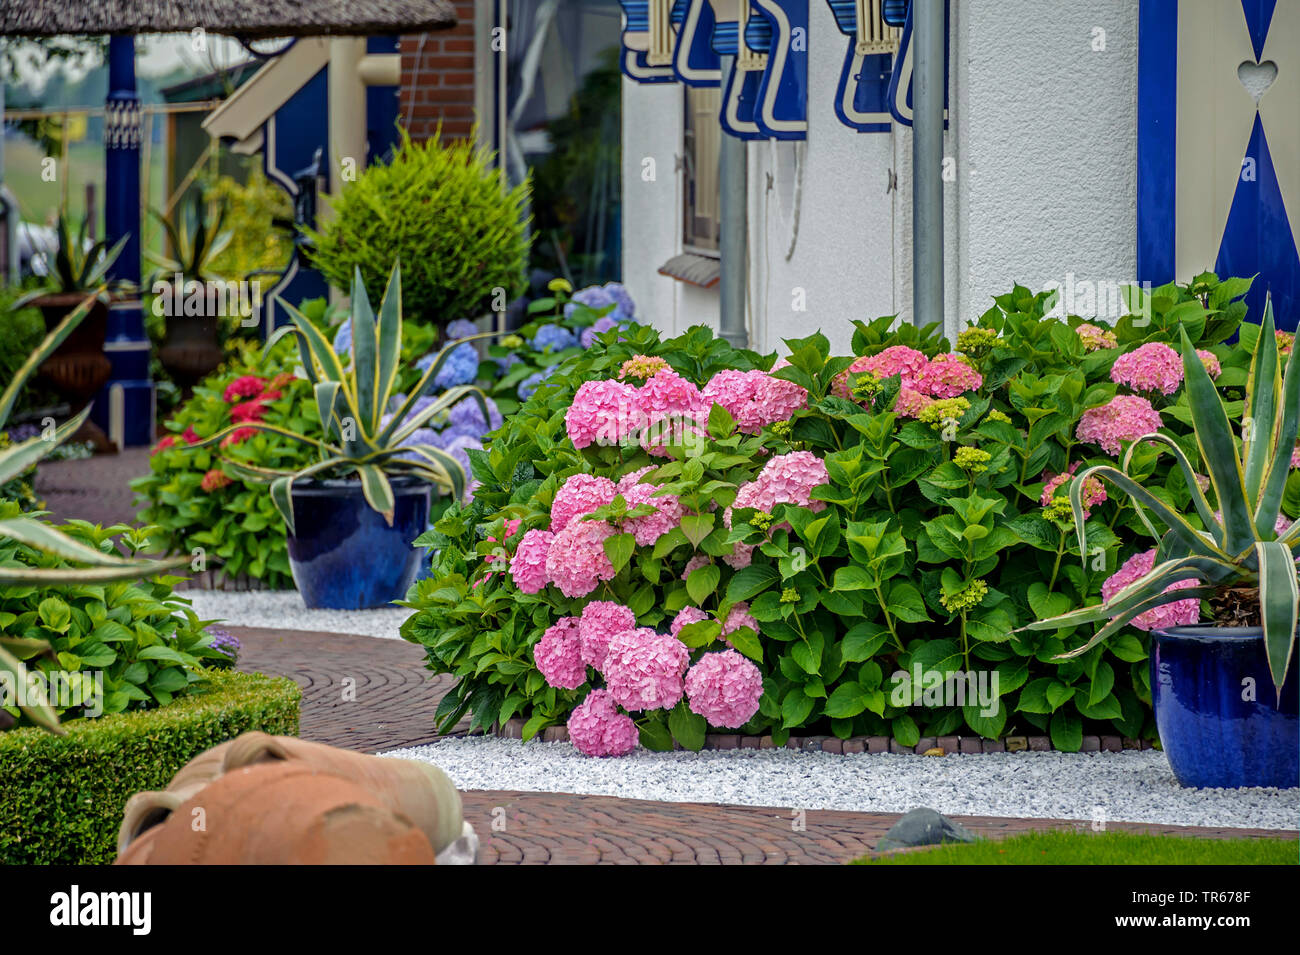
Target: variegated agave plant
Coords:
[[359, 436], [1240, 548], [100, 567]]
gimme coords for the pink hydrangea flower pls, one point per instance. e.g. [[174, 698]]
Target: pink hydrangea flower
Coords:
[[907, 363], [741, 556], [580, 495], [602, 411], [1151, 367], [754, 398], [786, 479], [643, 669], [1176, 614], [1124, 418], [911, 403], [947, 376], [1210, 361], [668, 509], [1094, 492], [738, 616], [597, 728], [724, 688], [695, 563], [528, 565], [840, 386], [1295, 457], [668, 394], [558, 655], [685, 617], [600, 621], [1095, 338], [576, 561], [643, 367], [1285, 341], [498, 554]]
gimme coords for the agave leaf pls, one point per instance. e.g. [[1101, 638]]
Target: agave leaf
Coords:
[[1189, 475], [51, 576], [1188, 536], [419, 419], [385, 436], [1159, 600], [43, 351], [1263, 388], [282, 490], [365, 342], [46, 538], [327, 394], [377, 490], [18, 458], [94, 275], [389, 341], [322, 352], [434, 465], [1284, 433], [1218, 450], [272, 429], [39, 712], [1279, 605]]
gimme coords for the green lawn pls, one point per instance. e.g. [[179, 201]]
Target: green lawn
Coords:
[[1108, 848]]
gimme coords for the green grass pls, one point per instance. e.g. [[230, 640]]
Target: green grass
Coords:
[[1109, 848]]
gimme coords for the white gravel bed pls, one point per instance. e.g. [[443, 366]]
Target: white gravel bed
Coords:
[[1130, 786], [284, 610]]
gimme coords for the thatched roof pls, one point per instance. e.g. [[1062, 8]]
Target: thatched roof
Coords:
[[245, 18]]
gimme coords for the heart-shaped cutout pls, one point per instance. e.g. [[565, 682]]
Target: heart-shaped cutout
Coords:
[[1257, 77]]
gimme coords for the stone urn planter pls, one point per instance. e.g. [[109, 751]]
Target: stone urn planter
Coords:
[[78, 368], [191, 348], [343, 555], [1220, 721]]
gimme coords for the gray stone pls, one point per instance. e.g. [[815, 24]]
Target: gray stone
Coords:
[[924, 827]]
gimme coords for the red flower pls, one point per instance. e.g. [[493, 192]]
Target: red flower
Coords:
[[248, 411], [163, 445], [245, 387], [270, 394], [191, 436], [238, 436], [213, 480], [280, 381]]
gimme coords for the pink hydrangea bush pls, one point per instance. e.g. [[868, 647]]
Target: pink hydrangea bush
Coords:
[[597, 728], [643, 669], [1176, 614], [724, 688], [755, 399], [1153, 367], [558, 655], [1124, 418]]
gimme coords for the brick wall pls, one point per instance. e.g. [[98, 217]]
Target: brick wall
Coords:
[[438, 79]]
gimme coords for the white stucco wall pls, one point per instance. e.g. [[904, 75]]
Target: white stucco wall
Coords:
[[1042, 131]]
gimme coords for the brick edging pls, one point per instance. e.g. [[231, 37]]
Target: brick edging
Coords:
[[929, 745]]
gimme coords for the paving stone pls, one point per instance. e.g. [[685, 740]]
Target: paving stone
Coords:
[[948, 744], [879, 744], [1091, 744], [1111, 744], [971, 745], [833, 745], [855, 745], [1040, 744]]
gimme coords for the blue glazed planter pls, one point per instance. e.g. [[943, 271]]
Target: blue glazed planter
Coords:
[[343, 556], [1213, 737]]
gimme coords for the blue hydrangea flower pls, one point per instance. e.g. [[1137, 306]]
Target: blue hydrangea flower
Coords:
[[529, 385], [343, 337], [461, 328], [617, 292], [593, 296], [460, 368], [467, 414], [459, 449], [554, 338], [599, 327], [505, 364]]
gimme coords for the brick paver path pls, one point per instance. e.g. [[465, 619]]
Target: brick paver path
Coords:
[[361, 693], [94, 489]]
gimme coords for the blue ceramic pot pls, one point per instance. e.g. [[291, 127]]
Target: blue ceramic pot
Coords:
[[1212, 736], [343, 556]]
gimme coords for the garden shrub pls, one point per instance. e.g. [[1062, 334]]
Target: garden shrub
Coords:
[[147, 643], [62, 797], [904, 516], [440, 210]]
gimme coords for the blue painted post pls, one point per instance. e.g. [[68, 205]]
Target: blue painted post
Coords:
[[124, 407]]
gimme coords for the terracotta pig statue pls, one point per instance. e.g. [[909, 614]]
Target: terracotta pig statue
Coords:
[[277, 800]]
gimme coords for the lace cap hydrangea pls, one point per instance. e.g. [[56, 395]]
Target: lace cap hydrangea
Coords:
[[1177, 614], [558, 655], [643, 669], [1095, 338], [1123, 418], [643, 367], [600, 621], [948, 376], [581, 494], [528, 565], [1153, 367], [724, 688], [597, 728], [601, 411]]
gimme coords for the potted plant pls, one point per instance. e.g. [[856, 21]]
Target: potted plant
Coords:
[[78, 368], [352, 515], [185, 293], [1224, 693]]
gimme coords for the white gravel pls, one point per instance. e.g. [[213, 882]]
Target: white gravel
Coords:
[[1135, 786], [284, 610]]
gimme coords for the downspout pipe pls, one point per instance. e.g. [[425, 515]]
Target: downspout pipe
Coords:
[[732, 200], [928, 29]]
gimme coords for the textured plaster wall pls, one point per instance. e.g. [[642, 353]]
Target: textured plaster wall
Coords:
[[1042, 135]]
